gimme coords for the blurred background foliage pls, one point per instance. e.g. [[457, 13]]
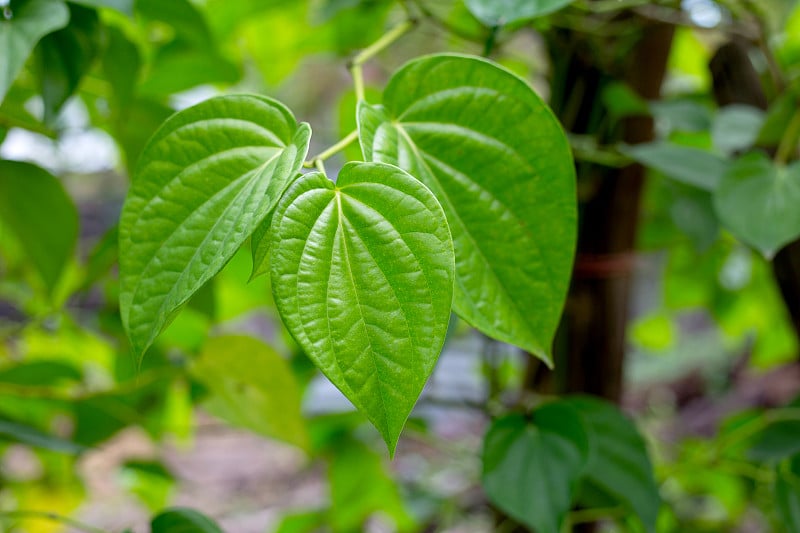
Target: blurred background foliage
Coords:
[[227, 416]]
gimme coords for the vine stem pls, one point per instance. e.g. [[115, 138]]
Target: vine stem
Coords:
[[53, 517], [789, 140], [335, 149], [372, 50]]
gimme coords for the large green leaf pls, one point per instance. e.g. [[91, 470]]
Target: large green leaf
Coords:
[[27, 192], [618, 463], [692, 166], [531, 466], [499, 12], [204, 182], [183, 520], [30, 21], [758, 201], [362, 273], [65, 56], [252, 387], [496, 158]]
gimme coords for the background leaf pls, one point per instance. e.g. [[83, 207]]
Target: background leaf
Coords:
[[496, 158], [182, 520], [692, 166], [48, 240], [191, 207], [499, 12], [618, 463], [362, 274], [252, 387], [30, 21], [531, 466], [123, 6], [758, 201]]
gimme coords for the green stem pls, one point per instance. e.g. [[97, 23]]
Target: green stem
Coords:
[[53, 517], [333, 150], [318, 163], [788, 145], [374, 49]]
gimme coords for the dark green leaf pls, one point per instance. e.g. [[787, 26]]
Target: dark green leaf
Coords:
[[65, 56], [362, 274], [499, 12], [49, 241], [787, 494], [24, 434], [183, 520], [758, 201], [252, 387], [121, 64], [531, 467], [496, 158], [618, 462], [685, 164], [205, 181], [30, 21], [124, 6], [40, 373]]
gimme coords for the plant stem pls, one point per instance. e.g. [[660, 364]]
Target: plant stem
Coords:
[[53, 517], [372, 50], [320, 166], [788, 145], [335, 149]]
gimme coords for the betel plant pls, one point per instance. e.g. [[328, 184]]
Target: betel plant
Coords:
[[465, 201]]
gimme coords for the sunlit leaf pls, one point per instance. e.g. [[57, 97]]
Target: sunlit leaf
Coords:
[[499, 12], [251, 387], [205, 181], [49, 241], [362, 273], [30, 21], [496, 158], [758, 201], [531, 466]]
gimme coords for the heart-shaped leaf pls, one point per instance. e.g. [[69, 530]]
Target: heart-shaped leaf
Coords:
[[531, 466], [758, 201], [692, 166], [30, 21], [362, 273], [499, 12], [497, 160], [618, 465], [48, 241], [204, 182]]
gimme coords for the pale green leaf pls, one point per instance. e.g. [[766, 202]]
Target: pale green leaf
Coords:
[[362, 274], [685, 164], [25, 434], [758, 201], [736, 128], [618, 463], [497, 160], [531, 466], [252, 387], [499, 12], [26, 193], [204, 182], [30, 21]]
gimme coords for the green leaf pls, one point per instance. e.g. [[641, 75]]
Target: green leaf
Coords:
[[121, 64], [24, 434], [758, 202], [618, 463], [736, 128], [49, 241], [204, 182], [252, 387], [531, 467], [685, 164], [496, 158], [30, 21], [123, 6], [778, 440], [362, 274], [149, 481], [499, 12], [65, 56], [183, 520], [787, 494], [179, 68]]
